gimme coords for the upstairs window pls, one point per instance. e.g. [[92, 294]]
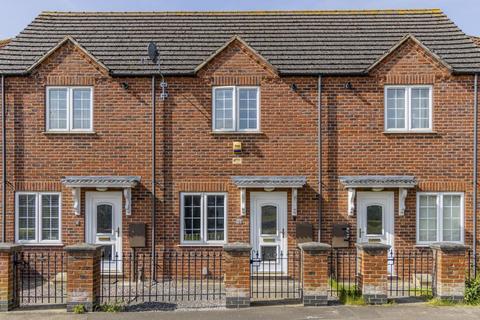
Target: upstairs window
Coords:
[[236, 109], [408, 108], [69, 109]]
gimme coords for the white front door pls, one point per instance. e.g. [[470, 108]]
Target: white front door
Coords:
[[375, 218], [104, 225], [269, 229]]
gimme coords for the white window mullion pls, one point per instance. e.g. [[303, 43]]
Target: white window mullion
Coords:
[[440, 217], [408, 108]]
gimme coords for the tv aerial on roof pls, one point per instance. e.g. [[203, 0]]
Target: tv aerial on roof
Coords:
[[153, 54]]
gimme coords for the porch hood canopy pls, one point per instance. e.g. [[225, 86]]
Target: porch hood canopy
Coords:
[[123, 182], [100, 181], [244, 182], [378, 182], [269, 181]]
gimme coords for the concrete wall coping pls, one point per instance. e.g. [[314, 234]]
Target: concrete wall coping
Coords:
[[237, 247], [448, 247], [373, 247], [10, 247], [314, 246], [83, 247]]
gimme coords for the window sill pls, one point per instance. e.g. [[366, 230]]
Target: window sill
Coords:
[[236, 132], [410, 132], [210, 245], [39, 244], [70, 132]]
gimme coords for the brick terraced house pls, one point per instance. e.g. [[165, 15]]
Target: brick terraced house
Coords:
[[278, 128]]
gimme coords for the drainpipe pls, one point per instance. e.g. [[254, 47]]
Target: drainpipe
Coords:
[[319, 156], [475, 164], [154, 206], [4, 161]]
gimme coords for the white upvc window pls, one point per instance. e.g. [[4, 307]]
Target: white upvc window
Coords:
[[69, 109], [38, 217], [408, 108], [203, 218], [440, 217], [236, 109]]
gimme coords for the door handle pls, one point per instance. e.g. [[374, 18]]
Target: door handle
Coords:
[[283, 232], [359, 232], [118, 231]]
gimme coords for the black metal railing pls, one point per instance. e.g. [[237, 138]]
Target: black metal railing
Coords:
[[411, 273], [40, 277], [277, 276], [343, 272], [171, 276]]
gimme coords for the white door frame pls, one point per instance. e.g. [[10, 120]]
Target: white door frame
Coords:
[[114, 198], [278, 199], [387, 200]]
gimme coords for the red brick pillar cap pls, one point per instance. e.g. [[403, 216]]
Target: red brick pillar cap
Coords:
[[448, 247], [82, 247], [9, 247], [373, 247], [314, 246], [237, 247]]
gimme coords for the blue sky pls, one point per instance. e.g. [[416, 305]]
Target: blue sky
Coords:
[[16, 14]]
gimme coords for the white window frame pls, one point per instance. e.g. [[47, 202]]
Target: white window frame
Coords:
[[203, 218], [69, 127], [439, 196], [38, 218], [408, 108], [236, 109]]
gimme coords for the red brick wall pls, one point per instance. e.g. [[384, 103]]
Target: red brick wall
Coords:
[[191, 158], [355, 143]]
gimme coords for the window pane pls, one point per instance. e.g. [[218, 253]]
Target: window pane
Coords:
[[223, 109], [269, 220], [269, 253], [57, 109], [247, 104], [452, 218], [420, 104], [105, 218], [215, 217], [396, 108], [50, 216], [374, 220], [26, 216], [427, 218], [82, 105], [192, 217]]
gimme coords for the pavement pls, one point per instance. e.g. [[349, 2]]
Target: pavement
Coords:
[[415, 311]]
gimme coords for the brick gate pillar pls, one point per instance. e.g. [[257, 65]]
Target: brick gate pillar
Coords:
[[315, 273], [9, 295], [237, 275], [373, 272], [83, 275], [450, 270]]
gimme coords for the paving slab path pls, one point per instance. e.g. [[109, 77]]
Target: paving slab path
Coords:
[[415, 311]]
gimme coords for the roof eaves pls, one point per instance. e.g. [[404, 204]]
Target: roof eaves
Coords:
[[58, 45], [226, 45], [402, 41]]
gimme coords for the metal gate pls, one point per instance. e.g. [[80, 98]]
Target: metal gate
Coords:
[[276, 278], [40, 278]]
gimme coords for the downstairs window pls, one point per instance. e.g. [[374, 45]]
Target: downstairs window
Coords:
[[203, 218], [37, 217], [440, 217]]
